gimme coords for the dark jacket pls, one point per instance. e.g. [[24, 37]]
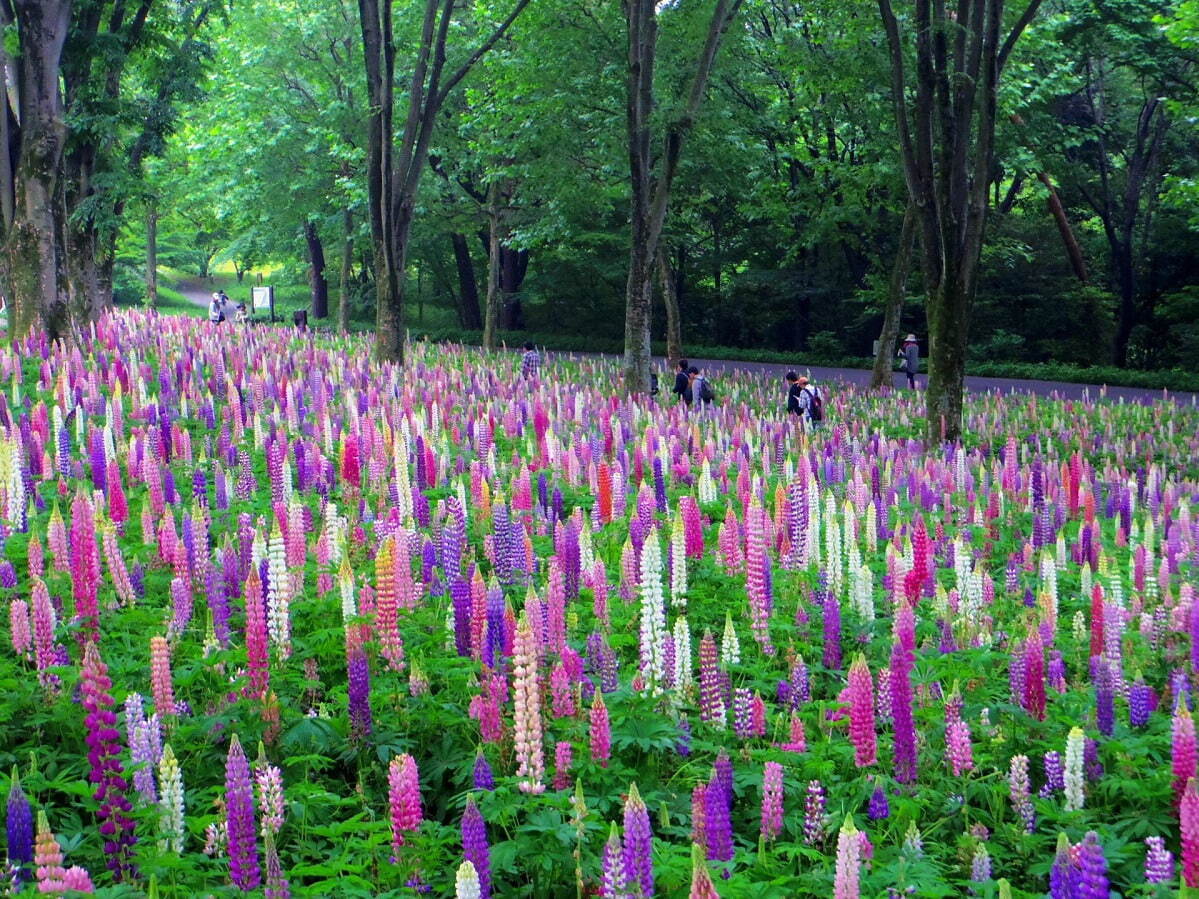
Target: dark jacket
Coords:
[[911, 357], [793, 399], [682, 386]]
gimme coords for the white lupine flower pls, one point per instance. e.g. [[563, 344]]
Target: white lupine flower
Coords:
[[1073, 775], [170, 801], [278, 589], [682, 653], [653, 614], [730, 646], [678, 564], [466, 883]]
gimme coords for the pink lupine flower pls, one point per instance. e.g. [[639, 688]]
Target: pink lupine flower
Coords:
[[861, 714], [403, 794], [772, 800], [600, 731], [161, 683]]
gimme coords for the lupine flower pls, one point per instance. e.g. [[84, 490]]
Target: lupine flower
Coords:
[[104, 750], [701, 881], [1092, 868], [482, 776], [466, 882], [861, 713], [475, 847], [653, 615], [563, 759], [813, 819], [600, 731], [638, 843], [529, 752], [772, 800], [879, 807], [1188, 819], [1020, 792], [1184, 751], [980, 864], [170, 801], [239, 819], [19, 829], [614, 878], [1074, 780], [901, 713], [846, 882], [1159, 861], [404, 797]]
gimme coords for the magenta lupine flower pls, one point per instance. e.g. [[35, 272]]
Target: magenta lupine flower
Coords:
[[104, 751], [403, 794], [711, 689], [563, 759], [958, 748], [757, 585], [475, 848], [1159, 861], [901, 713], [239, 819], [638, 843], [861, 714], [813, 817], [600, 731], [258, 638], [160, 676], [772, 800], [85, 566], [1184, 751], [1188, 820], [19, 627], [562, 692], [614, 877]]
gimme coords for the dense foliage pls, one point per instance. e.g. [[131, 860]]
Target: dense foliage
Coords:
[[277, 613]]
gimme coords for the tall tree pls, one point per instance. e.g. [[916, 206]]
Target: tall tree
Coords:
[[32, 137], [393, 172], [650, 188], [947, 143]]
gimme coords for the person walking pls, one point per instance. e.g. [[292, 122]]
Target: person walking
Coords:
[[530, 362], [682, 383], [804, 399], [701, 391], [910, 353], [216, 309]]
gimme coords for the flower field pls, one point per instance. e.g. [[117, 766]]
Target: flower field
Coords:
[[286, 622]]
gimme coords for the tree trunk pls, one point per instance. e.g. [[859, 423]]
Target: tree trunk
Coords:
[[670, 300], [390, 261], [34, 268], [1073, 250], [469, 316], [513, 265], [347, 261], [152, 255], [316, 272], [1127, 287], [896, 293], [639, 292], [948, 315], [491, 317]]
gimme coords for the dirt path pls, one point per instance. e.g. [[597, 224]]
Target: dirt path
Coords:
[[195, 291]]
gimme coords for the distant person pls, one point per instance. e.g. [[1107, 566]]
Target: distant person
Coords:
[[701, 391], [530, 362], [793, 389], [216, 309], [682, 383], [300, 319], [910, 353], [242, 317], [809, 404], [653, 383]]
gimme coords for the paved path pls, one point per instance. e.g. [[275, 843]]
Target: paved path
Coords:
[[861, 377]]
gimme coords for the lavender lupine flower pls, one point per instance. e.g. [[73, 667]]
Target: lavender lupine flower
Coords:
[[239, 817], [475, 848], [1105, 711], [980, 864], [832, 630], [813, 818], [1055, 775], [19, 829], [1140, 702], [614, 878], [1159, 861], [718, 828], [638, 843]]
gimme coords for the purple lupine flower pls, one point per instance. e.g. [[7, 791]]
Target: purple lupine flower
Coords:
[[659, 486], [718, 828], [801, 690], [453, 538], [358, 676], [1105, 710], [8, 575], [682, 744], [1092, 869], [901, 713], [18, 823], [239, 820], [1064, 875], [483, 778], [1140, 703], [218, 602], [742, 700], [832, 629], [1055, 775], [1092, 766], [638, 843], [879, 806], [475, 848], [1159, 861], [461, 599]]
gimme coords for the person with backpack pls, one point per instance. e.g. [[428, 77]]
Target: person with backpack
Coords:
[[910, 353], [682, 383], [804, 400], [216, 309], [701, 390]]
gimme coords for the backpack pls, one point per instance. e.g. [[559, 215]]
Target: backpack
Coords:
[[815, 404], [706, 394]]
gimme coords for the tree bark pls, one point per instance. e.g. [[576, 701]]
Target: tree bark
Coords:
[[152, 254], [468, 285], [670, 300], [318, 285], [513, 265], [1058, 211], [897, 290], [650, 194], [347, 262]]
